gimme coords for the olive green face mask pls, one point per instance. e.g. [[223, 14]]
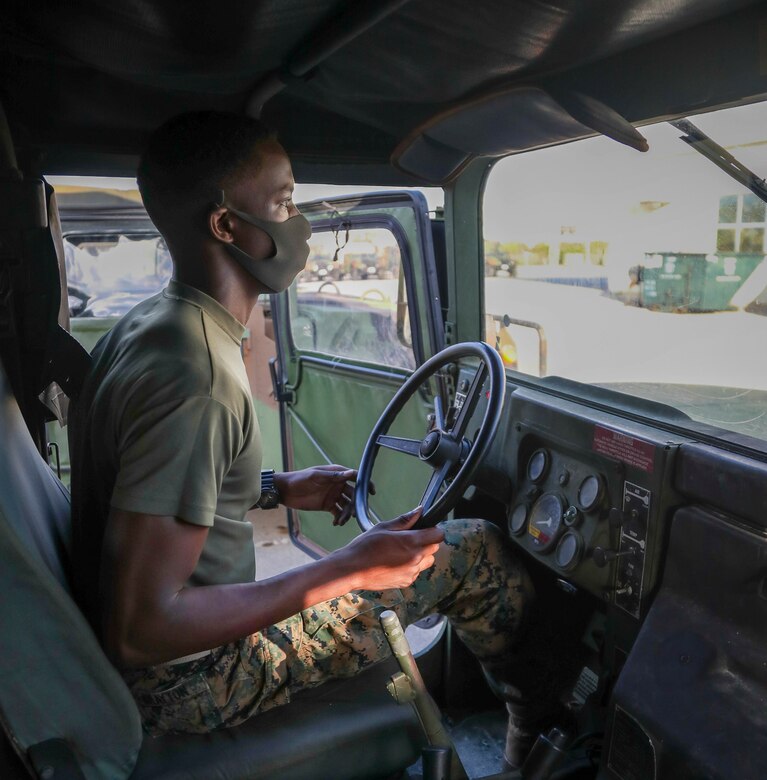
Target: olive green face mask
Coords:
[[291, 249]]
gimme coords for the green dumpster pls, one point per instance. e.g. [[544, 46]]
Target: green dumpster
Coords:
[[724, 276], [688, 282], [667, 279]]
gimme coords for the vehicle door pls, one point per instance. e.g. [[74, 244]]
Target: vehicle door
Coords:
[[115, 258], [355, 323]]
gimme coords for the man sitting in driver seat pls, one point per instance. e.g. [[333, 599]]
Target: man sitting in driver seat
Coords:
[[166, 456]]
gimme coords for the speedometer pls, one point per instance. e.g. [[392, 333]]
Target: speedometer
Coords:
[[546, 521]]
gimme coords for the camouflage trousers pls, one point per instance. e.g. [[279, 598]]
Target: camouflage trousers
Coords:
[[475, 581]]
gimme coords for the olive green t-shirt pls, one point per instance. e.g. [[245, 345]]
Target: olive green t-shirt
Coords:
[[165, 425]]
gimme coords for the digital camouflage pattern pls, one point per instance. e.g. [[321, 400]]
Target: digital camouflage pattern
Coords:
[[475, 581]]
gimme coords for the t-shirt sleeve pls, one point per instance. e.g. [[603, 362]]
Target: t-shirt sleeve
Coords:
[[173, 459]]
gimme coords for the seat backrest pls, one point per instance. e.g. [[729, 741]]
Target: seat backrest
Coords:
[[55, 681]]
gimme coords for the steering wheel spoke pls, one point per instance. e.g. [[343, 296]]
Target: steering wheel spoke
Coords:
[[436, 482], [408, 446], [468, 403]]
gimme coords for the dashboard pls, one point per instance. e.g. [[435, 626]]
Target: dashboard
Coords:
[[647, 548], [590, 492]]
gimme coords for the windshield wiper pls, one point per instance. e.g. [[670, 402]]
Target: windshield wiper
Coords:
[[711, 150]]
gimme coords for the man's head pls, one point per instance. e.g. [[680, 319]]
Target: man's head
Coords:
[[192, 156], [192, 160]]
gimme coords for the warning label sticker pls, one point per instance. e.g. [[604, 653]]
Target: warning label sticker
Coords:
[[633, 452]]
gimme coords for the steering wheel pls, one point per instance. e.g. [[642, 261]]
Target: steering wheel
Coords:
[[452, 457]]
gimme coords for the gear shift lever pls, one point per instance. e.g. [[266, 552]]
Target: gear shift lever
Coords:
[[408, 686]]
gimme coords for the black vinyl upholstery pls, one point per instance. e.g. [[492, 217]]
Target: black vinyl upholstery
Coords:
[[56, 683], [344, 729]]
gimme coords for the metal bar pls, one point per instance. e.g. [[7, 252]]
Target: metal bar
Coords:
[[543, 347], [711, 150]]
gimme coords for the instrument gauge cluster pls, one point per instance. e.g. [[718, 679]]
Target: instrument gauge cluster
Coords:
[[560, 507], [585, 491]]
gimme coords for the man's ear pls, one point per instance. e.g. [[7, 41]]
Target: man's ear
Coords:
[[220, 224]]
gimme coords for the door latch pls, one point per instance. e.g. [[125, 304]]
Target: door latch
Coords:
[[281, 394]]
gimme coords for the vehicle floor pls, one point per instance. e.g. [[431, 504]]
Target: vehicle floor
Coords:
[[479, 739]]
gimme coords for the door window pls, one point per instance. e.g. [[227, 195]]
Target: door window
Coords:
[[351, 299]]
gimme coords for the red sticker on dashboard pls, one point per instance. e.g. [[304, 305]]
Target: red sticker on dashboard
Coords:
[[633, 452]]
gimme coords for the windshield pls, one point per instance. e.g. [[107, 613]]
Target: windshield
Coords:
[[641, 272]]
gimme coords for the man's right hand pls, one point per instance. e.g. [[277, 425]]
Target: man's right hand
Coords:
[[391, 555]]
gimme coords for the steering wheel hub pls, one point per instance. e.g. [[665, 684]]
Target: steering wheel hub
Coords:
[[429, 445], [439, 448]]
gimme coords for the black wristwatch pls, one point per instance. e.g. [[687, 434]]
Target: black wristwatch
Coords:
[[270, 496]]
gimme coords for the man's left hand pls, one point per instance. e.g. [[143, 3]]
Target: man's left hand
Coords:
[[325, 488]]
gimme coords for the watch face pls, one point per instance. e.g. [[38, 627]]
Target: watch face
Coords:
[[269, 499]]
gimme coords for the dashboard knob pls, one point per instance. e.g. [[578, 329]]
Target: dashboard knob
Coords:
[[602, 557], [571, 516], [635, 522]]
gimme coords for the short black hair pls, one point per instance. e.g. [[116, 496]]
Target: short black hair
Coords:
[[192, 156]]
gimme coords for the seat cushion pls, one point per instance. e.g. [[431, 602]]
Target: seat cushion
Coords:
[[344, 729]]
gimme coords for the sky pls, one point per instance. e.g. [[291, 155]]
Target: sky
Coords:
[[598, 184]]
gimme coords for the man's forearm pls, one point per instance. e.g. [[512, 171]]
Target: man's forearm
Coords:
[[201, 618], [150, 616]]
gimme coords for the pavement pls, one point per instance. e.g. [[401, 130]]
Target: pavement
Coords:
[[275, 552]]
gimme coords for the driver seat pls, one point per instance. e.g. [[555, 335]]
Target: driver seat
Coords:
[[62, 704]]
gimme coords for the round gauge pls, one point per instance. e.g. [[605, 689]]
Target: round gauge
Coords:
[[569, 550], [538, 465], [545, 521], [590, 492], [518, 519]]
